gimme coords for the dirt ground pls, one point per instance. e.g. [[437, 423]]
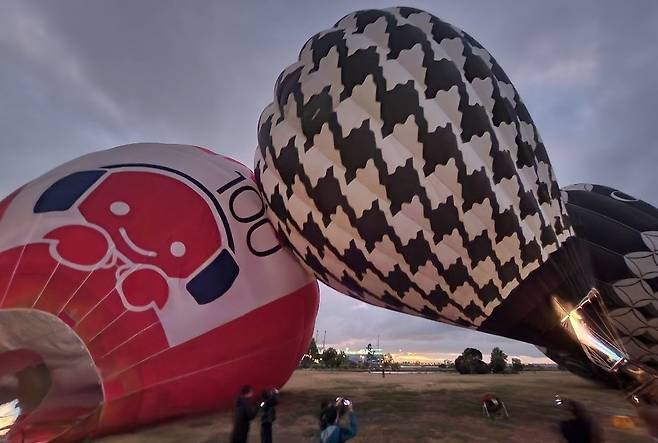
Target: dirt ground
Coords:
[[436, 407]]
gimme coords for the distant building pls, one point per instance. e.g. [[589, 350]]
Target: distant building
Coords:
[[374, 356]]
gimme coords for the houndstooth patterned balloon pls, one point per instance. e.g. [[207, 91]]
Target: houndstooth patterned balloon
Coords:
[[621, 233], [404, 169]]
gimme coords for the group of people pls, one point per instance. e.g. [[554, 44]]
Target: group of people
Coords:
[[246, 410], [338, 422], [337, 419]]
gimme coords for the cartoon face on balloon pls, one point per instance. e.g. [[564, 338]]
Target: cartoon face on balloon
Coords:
[[177, 247], [138, 223]]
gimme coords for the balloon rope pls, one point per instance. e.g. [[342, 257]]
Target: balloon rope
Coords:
[[43, 289], [141, 331], [20, 257], [139, 266], [89, 274], [93, 308], [106, 327]]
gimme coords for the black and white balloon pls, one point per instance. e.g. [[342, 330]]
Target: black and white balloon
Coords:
[[404, 169]]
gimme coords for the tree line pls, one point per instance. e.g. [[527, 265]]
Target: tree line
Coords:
[[469, 362]]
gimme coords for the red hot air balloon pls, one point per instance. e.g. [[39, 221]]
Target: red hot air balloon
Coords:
[[139, 283]]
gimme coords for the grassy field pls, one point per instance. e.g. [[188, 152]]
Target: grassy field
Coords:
[[438, 407]]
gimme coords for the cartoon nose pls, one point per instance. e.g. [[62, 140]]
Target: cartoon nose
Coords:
[[144, 287]]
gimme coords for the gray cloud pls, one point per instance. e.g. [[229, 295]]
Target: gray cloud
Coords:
[[80, 76]]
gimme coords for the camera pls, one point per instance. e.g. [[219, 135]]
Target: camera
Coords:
[[344, 401], [342, 405], [270, 398]]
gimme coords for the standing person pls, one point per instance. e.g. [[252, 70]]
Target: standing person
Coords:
[[325, 418], [245, 411], [649, 413], [341, 422], [270, 400], [383, 371], [581, 428]]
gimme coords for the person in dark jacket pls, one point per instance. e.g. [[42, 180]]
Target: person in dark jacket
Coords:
[[270, 400], [245, 411], [581, 428], [324, 410]]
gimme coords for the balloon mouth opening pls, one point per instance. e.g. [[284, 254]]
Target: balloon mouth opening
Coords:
[[48, 381], [9, 413], [587, 321], [24, 383], [587, 324]]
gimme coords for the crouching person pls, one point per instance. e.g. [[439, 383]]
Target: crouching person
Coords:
[[339, 420]]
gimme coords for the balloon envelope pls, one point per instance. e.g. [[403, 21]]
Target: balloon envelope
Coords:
[[621, 235], [403, 167], [148, 282]]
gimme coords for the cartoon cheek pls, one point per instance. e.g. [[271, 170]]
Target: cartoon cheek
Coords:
[[177, 249], [119, 208]]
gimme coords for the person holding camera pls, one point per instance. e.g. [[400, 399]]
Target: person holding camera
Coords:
[[340, 422], [270, 400]]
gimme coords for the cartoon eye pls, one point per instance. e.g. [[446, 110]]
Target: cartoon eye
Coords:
[[177, 249], [119, 208], [617, 195]]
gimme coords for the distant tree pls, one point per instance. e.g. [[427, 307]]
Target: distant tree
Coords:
[[388, 361], [341, 359], [498, 360], [346, 362], [313, 350], [329, 357], [307, 361], [461, 365], [480, 367], [517, 365], [470, 362], [472, 353]]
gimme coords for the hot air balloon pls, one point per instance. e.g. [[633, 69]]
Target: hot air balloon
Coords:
[[140, 283], [621, 235], [402, 166]]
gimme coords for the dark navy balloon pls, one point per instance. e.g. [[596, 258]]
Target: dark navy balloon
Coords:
[[621, 234]]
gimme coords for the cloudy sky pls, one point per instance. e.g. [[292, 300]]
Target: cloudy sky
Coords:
[[79, 76]]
